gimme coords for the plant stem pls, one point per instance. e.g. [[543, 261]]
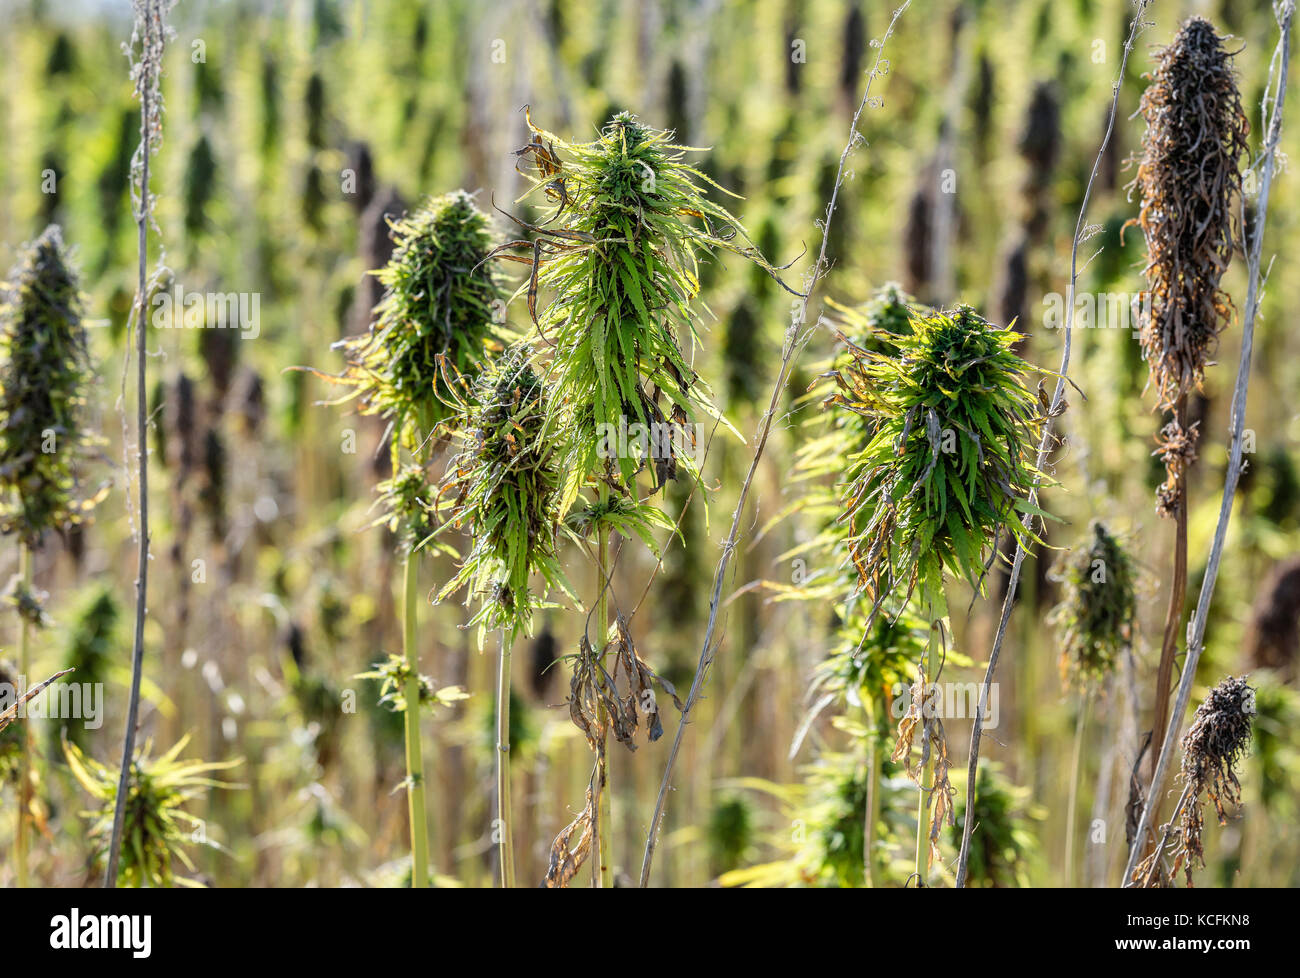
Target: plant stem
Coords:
[[414, 759], [1174, 613], [936, 610], [24, 671], [503, 763], [143, 217], [1285, 13], [1075, 767], [600, 876], [873, 808], [1057, 406], [1164, 838], [795, 337]]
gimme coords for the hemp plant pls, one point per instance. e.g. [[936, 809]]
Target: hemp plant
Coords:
[[436, 321], [948, 468], [870, 657], [1189, 178], [45, 373], [439, 301], [501, 488], [157, 827], [618, 255], [1096, 621]]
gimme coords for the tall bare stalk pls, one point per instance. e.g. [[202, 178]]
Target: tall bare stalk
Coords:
[[1274, 93], [504, 824], [25, 767], [149, 36], [795, 337], [1057, 407]]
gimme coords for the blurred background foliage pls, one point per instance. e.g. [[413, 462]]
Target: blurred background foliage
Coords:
[[293, 128]]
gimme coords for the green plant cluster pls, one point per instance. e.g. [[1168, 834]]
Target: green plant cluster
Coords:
[[157, 829], [502, 490], [437, 319], [392, 673], [951, 460], [619, 253], [44, 374], [1097, 614]]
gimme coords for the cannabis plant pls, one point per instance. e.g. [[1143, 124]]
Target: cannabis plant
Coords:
[[1217, 740], [1189, 178], [949, 466], [1097, 614], [157, 829], [91, 645], [501, 489], [838, 814], [44, 376], [440, 302], [951, 461], [1095, 623], [434, 326], [618, 253]]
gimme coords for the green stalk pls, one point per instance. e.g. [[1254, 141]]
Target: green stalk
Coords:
[[600, 872], [1074, 786], [875, 764], [937, 611], [503, 763], [414, 761], [24, 670]]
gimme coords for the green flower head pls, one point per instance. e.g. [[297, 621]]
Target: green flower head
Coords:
[[951, 459], [441, 302], [502, 488], [44, 373]]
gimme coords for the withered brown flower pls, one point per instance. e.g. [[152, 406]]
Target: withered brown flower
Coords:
[[1189, 178]]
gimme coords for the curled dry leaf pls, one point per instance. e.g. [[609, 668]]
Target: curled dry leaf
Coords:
[[571, 847], [923, 713]]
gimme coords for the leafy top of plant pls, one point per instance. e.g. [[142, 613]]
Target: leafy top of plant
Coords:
[[44, 375], [502, 490], [619, 254], [1097, 614], [156, 827], [950, 464], [441, 300]]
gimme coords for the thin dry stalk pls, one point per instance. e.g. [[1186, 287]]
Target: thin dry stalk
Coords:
[[795, 338], [1057, 407], [150, 33]]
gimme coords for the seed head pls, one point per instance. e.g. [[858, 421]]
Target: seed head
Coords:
[[440, 301], [1098, 611], [44, 374], [1217, 739], [1188, 177]]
